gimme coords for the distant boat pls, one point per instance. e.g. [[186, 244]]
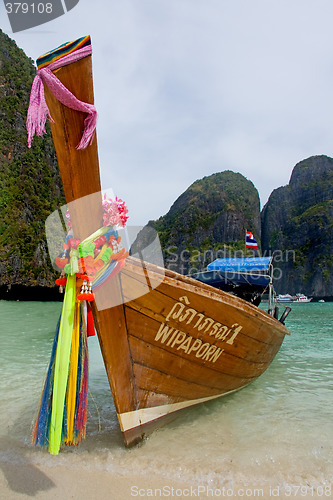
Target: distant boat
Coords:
[[302, 298], [172, 341], [285, 298], [299, 297]]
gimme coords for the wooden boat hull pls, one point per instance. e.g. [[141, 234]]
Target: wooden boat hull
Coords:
[[170, 342], [187, 343]]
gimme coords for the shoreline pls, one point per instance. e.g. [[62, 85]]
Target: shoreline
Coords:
[[39, 293], [23, 481], [30, 293]]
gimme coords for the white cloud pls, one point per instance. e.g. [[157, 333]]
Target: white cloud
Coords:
[[186, 88]]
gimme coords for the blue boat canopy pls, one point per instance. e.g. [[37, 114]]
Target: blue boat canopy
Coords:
[[241, 265], [251, 272]]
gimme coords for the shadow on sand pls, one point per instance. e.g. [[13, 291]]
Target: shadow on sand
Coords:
[[21, 475]]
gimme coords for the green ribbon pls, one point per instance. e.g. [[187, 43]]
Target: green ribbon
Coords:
[[74, 260], [62, 358], [62, 365]]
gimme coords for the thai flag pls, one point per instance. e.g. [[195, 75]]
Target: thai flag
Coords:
[[250, 240]]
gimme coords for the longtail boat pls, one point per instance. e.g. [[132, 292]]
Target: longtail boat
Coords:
[[170, 341]]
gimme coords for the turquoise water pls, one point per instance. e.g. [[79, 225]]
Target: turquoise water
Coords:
[[278, 430]]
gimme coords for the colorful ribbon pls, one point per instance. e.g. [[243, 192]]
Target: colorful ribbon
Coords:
[[38, 110], [63, 409], [62, 365]]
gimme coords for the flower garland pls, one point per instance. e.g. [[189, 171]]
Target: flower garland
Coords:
[[87, 258], [115, 212], [85, 266]]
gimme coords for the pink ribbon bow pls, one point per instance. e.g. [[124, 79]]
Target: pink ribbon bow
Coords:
[[38, 110]]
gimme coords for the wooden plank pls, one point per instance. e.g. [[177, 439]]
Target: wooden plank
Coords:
[[149, 398], [184, 369], [148, 379], [235, 309], [226, 362], [249, 340], [245, 347]]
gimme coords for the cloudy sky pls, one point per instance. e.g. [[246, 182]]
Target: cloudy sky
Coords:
[[187, 88]]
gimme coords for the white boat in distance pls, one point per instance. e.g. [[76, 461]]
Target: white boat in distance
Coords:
[[299, 297], [302, 298], [285, 298]]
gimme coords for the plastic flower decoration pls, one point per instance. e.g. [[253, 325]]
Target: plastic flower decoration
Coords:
[[115, 212]]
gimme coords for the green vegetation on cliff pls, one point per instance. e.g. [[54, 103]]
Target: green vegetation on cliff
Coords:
[[30, 186], [299, 218], [211, 215]]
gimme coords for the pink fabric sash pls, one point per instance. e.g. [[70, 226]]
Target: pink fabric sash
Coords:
[[38, 110]]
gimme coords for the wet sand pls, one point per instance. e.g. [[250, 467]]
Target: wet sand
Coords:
[[25, 481], [57, 483]]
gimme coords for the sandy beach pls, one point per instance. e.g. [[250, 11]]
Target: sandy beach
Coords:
[[26, 481]]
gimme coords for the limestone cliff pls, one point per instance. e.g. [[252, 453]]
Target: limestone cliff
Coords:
[[209, 219], [30, 185], [298, 222]]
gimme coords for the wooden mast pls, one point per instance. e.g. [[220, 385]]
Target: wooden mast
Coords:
[[79, 169]]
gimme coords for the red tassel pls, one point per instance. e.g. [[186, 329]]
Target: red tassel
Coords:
[[90, 322], [61, 281], [86, 296]]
